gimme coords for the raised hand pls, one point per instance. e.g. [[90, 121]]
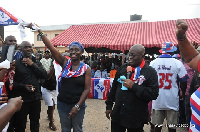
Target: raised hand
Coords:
[[33, 26], [181, 28]]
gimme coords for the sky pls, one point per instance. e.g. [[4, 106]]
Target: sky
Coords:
[[56, 12]]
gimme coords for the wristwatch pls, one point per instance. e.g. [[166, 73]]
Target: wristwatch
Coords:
[[77, 107]]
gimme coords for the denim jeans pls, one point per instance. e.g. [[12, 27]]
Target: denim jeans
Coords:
[[66, 124]]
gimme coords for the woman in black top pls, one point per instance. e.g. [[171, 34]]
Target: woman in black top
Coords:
[[74, 84]]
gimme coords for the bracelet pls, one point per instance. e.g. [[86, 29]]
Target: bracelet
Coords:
[[41, 34], [77, 107], [181, 38]]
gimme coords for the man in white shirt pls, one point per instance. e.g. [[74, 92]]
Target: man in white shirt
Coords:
[[101, 72], [167, 103]]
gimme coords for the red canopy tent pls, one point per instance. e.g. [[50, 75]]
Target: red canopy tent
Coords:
[[122, 36]]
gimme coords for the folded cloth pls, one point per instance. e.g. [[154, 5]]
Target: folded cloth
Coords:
[[22, 26], [120, 81]]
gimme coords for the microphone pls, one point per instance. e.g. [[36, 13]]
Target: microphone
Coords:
[[129, 72]]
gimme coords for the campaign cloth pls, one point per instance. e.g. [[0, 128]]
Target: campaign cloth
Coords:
[[66, 73], [136, 71], [91, 93], [195, 107], [100, 88], [7, 18]]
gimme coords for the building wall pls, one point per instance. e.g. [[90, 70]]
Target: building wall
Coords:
[[50, 35], [39, 45]]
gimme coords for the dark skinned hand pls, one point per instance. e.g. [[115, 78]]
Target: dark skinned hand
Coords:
[[3, 98], [73, 112], [108, 113], [12, 65], [181, 28], [17, 102], [195, 44], [29, 88], [27, 61], [128, 83]]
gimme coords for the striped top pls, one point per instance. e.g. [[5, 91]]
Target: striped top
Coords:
[[195, 107]]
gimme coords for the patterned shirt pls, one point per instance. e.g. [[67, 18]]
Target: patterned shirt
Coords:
[[46, 63]]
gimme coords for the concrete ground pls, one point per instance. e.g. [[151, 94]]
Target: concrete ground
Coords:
[[94, 121]]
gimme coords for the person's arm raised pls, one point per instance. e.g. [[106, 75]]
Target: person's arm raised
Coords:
[[61, 60], [55, 53], [187, 50]]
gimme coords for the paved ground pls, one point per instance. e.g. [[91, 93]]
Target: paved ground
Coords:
[[94, 121]]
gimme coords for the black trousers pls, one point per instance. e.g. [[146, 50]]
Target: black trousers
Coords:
[[116, 127], [18, 121]]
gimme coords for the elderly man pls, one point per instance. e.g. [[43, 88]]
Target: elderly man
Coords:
[[131, 105], [26, 84]]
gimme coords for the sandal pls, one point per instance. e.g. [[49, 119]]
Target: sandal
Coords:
[[52, 127]]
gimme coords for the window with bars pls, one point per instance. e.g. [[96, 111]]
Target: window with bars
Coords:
[[39, 38]]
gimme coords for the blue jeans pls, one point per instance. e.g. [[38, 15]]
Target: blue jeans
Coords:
[[66, 124]]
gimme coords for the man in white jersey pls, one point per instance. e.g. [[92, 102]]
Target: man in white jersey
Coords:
[[167, 103]]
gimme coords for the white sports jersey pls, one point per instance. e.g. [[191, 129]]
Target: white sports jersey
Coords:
[[168, 69]]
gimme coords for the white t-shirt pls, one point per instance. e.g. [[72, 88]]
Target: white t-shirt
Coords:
[[101, 74], [167, 70]]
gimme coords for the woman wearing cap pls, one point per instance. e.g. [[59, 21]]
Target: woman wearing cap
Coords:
[[75, 82], [192, 57]]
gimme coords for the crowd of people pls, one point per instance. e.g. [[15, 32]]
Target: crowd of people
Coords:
[[142, 92]]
